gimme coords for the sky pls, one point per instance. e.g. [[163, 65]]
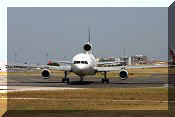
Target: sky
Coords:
[[34, 33]]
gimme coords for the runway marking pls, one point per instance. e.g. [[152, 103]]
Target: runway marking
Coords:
[[6, 89], [3, 89], [162, 101]]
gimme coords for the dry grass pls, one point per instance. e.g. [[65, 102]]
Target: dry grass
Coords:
[[171, 70], [92, 99], [3, 73], [3, 103]]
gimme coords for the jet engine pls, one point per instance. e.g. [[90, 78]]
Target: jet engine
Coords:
[[45, 73], [87, 47], [123, 74]]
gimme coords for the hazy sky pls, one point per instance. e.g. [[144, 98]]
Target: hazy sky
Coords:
[[32, 32]]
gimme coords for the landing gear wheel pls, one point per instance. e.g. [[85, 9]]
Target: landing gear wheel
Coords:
[[65, 79], [103, 80], [68, 80], [107, 81]]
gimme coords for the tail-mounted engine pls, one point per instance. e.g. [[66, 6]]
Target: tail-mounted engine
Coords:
[[123, 74], [45, 73], [87, 47]]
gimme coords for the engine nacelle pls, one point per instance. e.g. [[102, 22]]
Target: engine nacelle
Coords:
[[87, 47], [123, 74], [45, 73]]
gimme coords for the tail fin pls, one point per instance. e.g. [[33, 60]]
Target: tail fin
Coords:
[[172, 55], [88, 46], [89, 36]]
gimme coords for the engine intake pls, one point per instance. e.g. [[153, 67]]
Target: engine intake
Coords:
[[123, 74], [45, 73], [87, 47]]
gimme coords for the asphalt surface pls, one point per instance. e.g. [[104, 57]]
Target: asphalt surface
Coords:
[[155, 80], [27, 83]]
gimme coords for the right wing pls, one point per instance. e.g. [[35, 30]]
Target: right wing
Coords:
[[60, 68], [56, 61], [64, 62]]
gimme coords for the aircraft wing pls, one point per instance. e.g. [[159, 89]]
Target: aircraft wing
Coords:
[[19, 65], [107, 63], [146, 66], [108, 69], [116, 68], [64, 62], [61, 68]]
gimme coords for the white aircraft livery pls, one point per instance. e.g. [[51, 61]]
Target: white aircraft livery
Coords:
[[85, 64]]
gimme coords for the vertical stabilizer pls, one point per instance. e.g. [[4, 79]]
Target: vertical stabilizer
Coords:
[[88, 46], [89, 36], [172, 55]]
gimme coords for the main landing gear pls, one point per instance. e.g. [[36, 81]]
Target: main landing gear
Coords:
[[81, 78], [65, 79], [105, 79]]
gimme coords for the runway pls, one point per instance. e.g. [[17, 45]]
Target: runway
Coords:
[[31, 83]]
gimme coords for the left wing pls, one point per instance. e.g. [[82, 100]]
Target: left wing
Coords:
[[108, 69], [107, 63]]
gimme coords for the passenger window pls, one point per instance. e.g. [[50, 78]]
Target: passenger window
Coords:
[[86, 62]]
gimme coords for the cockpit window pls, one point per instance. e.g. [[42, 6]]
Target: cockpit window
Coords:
[[76, 62], [82, 62]]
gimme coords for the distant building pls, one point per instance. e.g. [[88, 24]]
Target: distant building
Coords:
[[139, 59], [125, 60]]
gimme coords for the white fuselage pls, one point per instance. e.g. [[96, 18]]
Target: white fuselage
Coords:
[[84, 64]]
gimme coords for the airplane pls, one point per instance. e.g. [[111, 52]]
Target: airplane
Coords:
[[84, 64]]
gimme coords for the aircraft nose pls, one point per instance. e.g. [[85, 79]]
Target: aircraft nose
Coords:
[[81, 67]]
